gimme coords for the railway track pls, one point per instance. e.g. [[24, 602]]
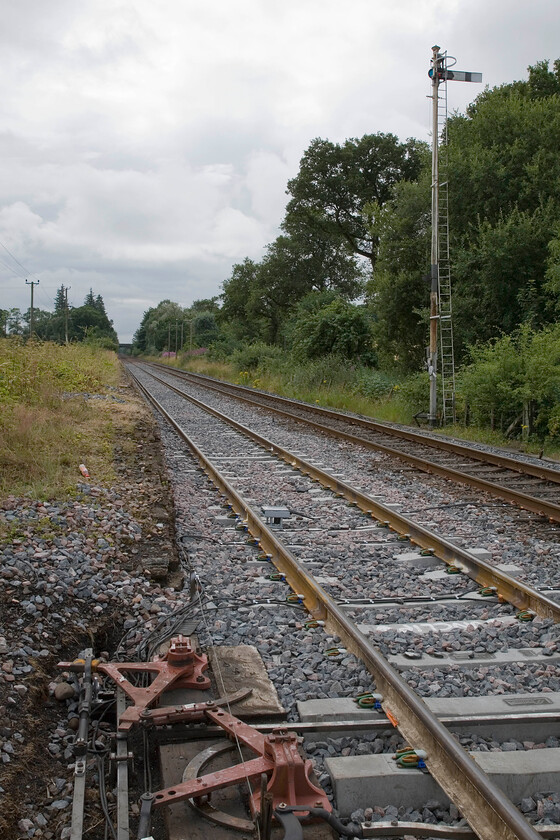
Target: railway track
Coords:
[[488, 575], [375, 561], [525, 482]]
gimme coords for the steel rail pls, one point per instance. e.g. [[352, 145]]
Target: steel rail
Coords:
[[505, 461], [524, 500], [488, 811], [121, 751], [178, 732], [516, 592]]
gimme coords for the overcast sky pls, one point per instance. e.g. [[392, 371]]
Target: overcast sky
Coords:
[[145, 147]]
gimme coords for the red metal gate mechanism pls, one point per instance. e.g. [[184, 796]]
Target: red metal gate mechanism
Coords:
[[278, 758], [180, 667]]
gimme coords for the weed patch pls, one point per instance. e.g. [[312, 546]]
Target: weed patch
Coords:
[[48, 424]]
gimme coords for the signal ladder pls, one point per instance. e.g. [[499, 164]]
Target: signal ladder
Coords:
[[444, 274]]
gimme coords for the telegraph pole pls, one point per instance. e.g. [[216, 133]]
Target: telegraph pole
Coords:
[[66, 314], [31, 283]]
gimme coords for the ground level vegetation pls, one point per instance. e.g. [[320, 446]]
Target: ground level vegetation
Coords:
[[58, 409]]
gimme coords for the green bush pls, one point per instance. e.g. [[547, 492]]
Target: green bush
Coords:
[[513, 383], [223, 348], [340, 328], [101, 342], [258, 356], [414, 391], [372, 383]]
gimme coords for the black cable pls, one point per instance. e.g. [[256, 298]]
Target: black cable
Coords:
[[147, 767], [322, 814], [103, 797]]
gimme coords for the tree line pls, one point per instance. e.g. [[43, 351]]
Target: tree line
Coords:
[[169, 327], [67, 323], [349, 272]]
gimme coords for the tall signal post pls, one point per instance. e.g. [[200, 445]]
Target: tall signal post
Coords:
[[440, 73]]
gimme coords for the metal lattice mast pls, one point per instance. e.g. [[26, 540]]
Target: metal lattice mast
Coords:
[[446, 354], [440, 272]]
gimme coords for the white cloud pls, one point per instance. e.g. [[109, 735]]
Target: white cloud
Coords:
[[146, 147]]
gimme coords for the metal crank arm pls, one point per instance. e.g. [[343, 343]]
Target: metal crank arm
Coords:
[[205, 785], [164, 715]]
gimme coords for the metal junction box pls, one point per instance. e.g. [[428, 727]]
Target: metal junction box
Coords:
[[275, 515]]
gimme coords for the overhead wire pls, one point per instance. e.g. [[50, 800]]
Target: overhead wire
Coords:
[[27, 272], [12, 269], [24, 273]]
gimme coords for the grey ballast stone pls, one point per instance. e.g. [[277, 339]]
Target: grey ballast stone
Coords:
[[468, 659]]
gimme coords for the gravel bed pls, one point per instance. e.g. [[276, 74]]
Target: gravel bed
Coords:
[[66, 575], [470, 518], [367, 572]]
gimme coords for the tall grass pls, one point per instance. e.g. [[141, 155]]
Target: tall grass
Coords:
[[329, 381], [46, 430], [334, 383]]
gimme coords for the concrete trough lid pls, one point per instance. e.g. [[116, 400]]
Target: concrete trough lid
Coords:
[[531, 717], [368, 780]]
